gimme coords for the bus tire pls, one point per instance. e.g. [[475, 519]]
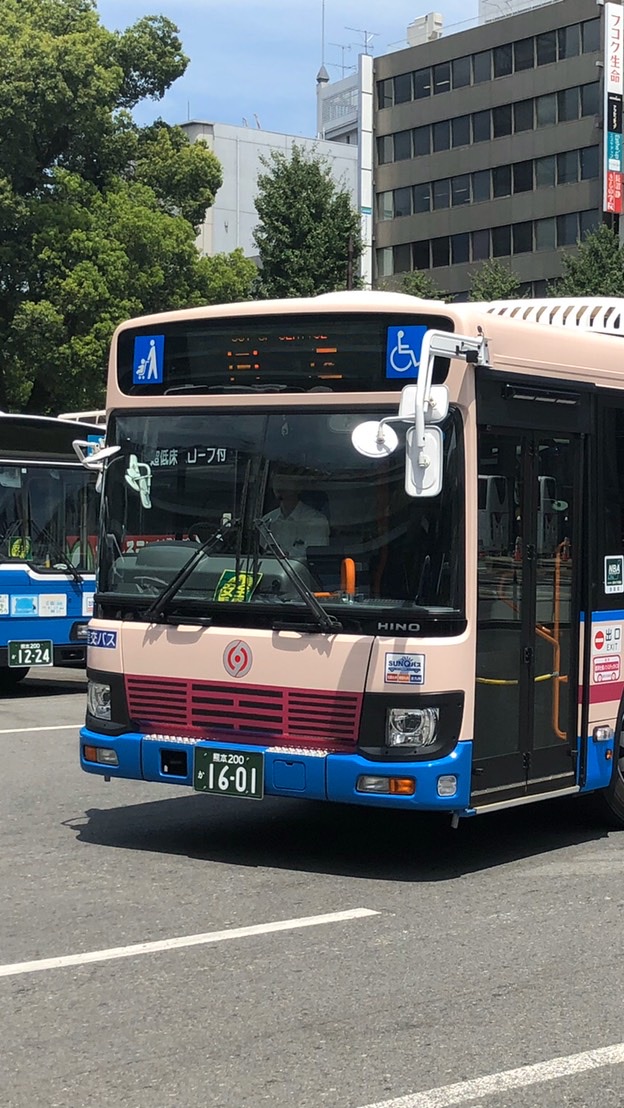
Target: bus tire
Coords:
[[10, 678], [611, 799]]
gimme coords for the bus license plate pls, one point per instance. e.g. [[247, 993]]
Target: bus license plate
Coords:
[[223, 773], [32, 653]]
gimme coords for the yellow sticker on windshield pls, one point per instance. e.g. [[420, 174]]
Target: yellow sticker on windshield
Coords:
[[20, 548], [235, 586]]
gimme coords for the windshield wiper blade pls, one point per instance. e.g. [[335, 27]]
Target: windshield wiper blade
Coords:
[[159, 604], [60, 554], [322, 619]]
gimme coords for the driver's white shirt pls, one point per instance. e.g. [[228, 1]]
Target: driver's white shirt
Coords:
[[302, 528]]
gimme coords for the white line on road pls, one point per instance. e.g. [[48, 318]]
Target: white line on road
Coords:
[[481, 1087], [182, 941], [57, 727]]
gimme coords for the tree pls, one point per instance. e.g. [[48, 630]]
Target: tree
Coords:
[[418, 283], [98, 217], [596, 269], [494, 281], [308, 238]]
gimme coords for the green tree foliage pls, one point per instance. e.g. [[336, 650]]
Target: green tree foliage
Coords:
[[418, 283], [98, 217], [596, 269], [494, 281], [308, 238]]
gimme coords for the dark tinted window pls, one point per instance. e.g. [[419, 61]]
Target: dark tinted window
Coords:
[[384, 94], [569, 41], [481, 185], [402, 88], [441, 193], [402, 145], [522, 237], [440, 251], [501, 180], [420, 254], [460, 190], [567, 104], [482, 67], [503, 60], [402, 201], [501, 120], [460, 249], [523, 176], [480, 245], [590, 36], [546, 110], [523, 54], [588, 221], [481, 126], [442, 77], [545, 172], [422, 83], [401, 256], [546, 48], [441, 135], [523, 115], [460, 130], [422, 140], [501, 241], [545, 237], [589, 163], [461, 72], [567, 229], [422, 198], [590, 99], [567, 167]]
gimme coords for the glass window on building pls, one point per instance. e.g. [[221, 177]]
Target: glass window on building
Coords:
[[442, 193], [403, 88], [546, 110], [590, 36], [523, 176], [402, 257], [567, 229], [422, 198], [522, 237], [402, 202], [384, 261], [460, 71], [440, 251], [501, 241], [420, 254], [481, 186], [567, 104], [523, 116], [590, 98], [503, 60], [481, 67], [385, 207], [460, 249], [501, 180], [385, 147], [402, 145], [501, 120], [481, 126], [480, 245], [421, 140], [569, 41], [546, 48], [460, 190], [523, 51], [545, 172], [588, 222], [460, 130], [545, 236], [441, 135], [384, 94], [441, 78], [590, 162], [567, 167], [422, 83]]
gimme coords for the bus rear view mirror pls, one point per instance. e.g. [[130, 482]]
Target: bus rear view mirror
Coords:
[[437, 409], [373, 439], [423, 464]]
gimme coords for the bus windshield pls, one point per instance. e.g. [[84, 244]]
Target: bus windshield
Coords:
[[345, 523], [48, 516]]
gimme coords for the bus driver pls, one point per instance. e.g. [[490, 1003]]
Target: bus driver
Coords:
[[294, 523]]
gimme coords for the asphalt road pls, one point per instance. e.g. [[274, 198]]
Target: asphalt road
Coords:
[[487, 949]]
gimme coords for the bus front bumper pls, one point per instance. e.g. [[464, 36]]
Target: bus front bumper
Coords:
[[442, 784]]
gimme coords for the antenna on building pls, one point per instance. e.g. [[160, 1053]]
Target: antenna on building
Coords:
[[322, 33], [245, 123], [368, 36], [257, 122], [342, 47]]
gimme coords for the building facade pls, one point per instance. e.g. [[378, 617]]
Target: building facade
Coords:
[[489, 145]]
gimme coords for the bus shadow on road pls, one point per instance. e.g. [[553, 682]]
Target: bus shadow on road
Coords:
[[339, 839]]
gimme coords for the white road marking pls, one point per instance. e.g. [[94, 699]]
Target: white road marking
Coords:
[[15, 968], [57, 727], [480, 1087]]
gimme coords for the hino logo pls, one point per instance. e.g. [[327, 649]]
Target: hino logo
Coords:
[[398, 627]]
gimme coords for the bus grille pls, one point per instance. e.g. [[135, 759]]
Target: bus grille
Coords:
[[205, 707]]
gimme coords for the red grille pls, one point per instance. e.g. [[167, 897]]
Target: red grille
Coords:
[[243, 711]]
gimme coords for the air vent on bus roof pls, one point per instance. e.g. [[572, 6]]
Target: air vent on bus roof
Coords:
[[603, 314]]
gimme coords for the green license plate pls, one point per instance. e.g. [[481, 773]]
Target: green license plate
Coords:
[[225, 773], [37, 652]]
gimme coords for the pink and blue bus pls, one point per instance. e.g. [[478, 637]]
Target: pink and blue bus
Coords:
[[362, 548]]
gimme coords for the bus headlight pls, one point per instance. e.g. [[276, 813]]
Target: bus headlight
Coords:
[[414, 728], [98, 700]]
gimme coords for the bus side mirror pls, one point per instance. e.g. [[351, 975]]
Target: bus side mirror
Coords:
[[423, 465]]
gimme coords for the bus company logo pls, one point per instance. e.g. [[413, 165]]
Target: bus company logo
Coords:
[[405, 669], [237, 658]]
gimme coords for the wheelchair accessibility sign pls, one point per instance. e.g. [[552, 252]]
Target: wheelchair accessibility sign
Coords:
[[403, 346]]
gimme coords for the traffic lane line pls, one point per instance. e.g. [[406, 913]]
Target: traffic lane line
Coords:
[[31, 730], [15, 968], [480, 1087]]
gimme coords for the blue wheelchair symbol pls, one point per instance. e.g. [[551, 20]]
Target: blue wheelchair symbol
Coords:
[[403, 347]]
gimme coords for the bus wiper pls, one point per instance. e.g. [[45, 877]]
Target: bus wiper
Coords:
[[322, 619], [64, 562], [158, 606]]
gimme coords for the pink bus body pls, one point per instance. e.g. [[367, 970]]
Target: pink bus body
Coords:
[[446, 651]]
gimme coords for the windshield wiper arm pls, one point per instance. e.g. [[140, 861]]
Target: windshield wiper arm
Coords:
[[60, 553], [159, 604], [322, 618]]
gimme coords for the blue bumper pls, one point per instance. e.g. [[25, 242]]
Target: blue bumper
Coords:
[[310, 776]]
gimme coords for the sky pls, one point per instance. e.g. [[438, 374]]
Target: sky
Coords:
[[260, 58]]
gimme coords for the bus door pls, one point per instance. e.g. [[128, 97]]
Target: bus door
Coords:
[[528, 604]]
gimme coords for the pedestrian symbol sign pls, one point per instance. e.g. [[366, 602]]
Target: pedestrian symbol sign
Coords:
[[149, 360]]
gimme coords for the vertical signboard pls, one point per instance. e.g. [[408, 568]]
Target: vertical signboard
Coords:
[[613, 91]]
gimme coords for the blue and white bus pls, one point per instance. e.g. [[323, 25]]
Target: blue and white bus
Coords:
[[48, 538]]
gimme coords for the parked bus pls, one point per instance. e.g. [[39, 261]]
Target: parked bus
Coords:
[[298, 594], [48, 537]]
